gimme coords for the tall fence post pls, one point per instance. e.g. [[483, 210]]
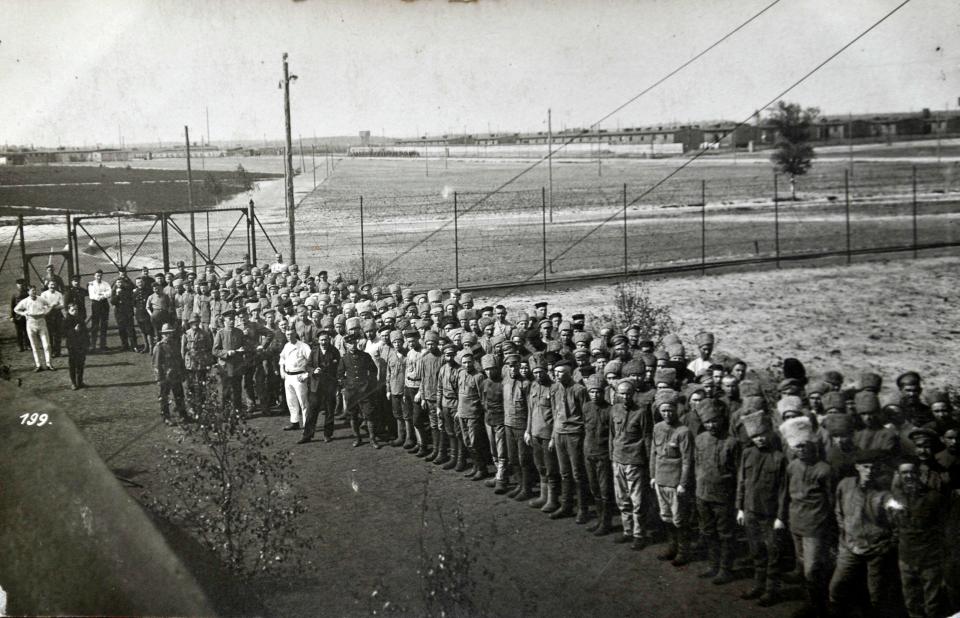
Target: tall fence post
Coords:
[[76, 247], [252, 234], [193, 238], [846, 197], [72, 245], [23, 251], [456, 241], [70, 269], [165, 242], [776, 219], [363, 258], [543, 207], [914, 212], [626, 267], [119, 243], [703, 227]]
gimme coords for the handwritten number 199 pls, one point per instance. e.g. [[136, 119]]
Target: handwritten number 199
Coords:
[[34, 419]]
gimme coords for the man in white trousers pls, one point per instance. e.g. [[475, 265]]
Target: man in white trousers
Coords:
[[35, 310], [294, 369]]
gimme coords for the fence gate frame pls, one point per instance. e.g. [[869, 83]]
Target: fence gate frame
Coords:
[[167, 223]]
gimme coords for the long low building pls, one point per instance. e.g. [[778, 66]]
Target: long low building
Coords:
[[671, 139]]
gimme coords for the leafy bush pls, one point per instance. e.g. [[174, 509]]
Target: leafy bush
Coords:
[[632, 305], [228, 487], [244, 179]]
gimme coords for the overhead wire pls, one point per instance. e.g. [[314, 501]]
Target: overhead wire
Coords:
[[570, 140], [702, 151]]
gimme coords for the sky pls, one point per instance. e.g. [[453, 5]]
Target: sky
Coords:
[[80, 73]]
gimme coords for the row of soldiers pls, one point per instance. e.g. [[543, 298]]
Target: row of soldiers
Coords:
[[571, 417]]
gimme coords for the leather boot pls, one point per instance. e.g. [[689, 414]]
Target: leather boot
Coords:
[[355, 425], [373, 436], [454, 458], [725, 575], [713, 553], [553, 497], [670, 552], [526, 480], [462, 463], [442, 450], [566, 501], [758, 588], [411, 441], [425, 447], [502, 485], [480, 471], [401, 434], [435, 442], [604, 517], [771, 596], [583, 501], [518, 488], [683, 548], [538, 502]]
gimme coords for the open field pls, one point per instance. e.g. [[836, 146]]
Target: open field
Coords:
[[409, 215], [92, 189], [365, 505], [408, 231]]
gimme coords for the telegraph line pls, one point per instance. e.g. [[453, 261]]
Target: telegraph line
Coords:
[[570, 140], [680, 168]]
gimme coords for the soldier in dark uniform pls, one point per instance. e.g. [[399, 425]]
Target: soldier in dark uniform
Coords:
[[324, 362], [20, 322], [228, 348], [75, 333], [168, 368], [195, 347], [357, 374], [123, 309]]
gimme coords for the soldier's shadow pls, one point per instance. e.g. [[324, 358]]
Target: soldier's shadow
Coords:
[[120, 384]]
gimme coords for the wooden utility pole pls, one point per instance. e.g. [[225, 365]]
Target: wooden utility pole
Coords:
[[193, 239], [850, 140], [291, 227], [599, 159], [550, 161]]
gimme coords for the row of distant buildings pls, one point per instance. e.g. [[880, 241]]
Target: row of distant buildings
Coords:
[[685, 137], [25, 156]]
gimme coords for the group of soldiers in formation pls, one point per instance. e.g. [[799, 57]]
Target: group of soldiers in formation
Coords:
[[569, 416]]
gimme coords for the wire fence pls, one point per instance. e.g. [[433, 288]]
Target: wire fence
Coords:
[[474, 239]]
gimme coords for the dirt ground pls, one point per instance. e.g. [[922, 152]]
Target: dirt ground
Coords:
[[366, 506]]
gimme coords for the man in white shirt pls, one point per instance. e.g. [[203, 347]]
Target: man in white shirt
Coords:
[[294, 369], [35, 310], [99, 292], [54, 319], [278, 266], [705, 346], [500, 325]]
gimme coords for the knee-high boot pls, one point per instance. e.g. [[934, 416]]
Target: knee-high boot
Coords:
[[454, 459], [442, 449], [373, 436], [401, 434], [462, 463], [435, 441], [411, 441]]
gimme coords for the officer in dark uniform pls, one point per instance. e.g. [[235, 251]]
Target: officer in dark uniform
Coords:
[[228, 348], [195, 349], [168, 368], [357, 374]]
